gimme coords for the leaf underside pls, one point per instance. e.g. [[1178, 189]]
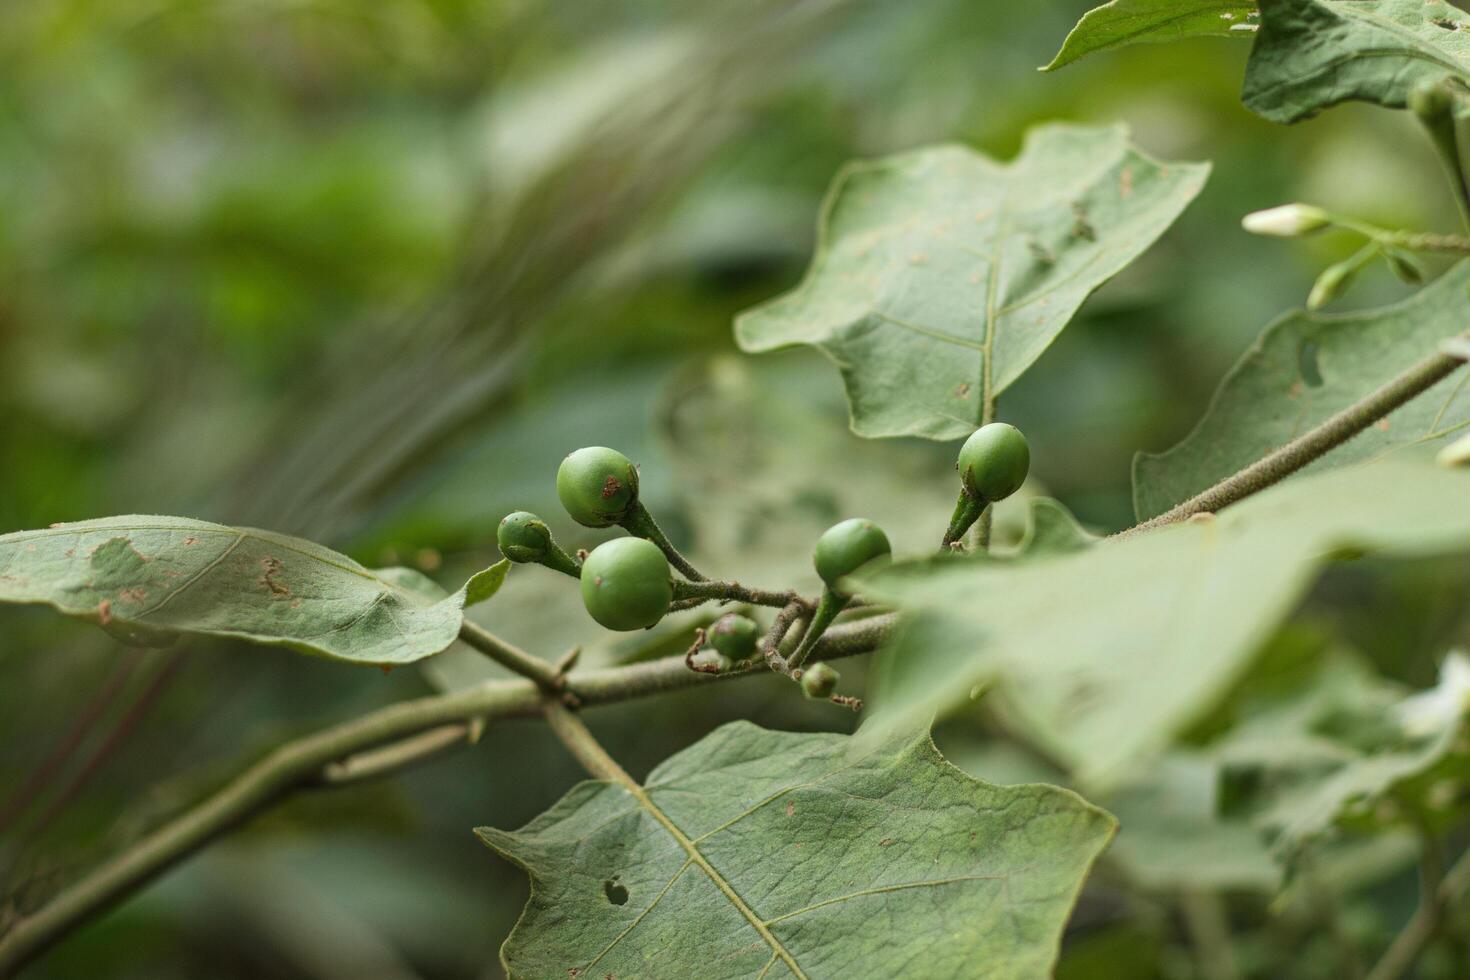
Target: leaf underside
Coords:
[[1106, 654], [1124, 22], [941, 275], [769, 854], [1310, 55], [152, 579], [1304, 369]]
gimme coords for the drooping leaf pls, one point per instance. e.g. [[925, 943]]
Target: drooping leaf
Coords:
[[772, 854], [1392, 762], [1106, 654], [1307, 367], [1125, 22], [1174, 837], [1310, 55], [154, 578], [1171, 832], [941, 275]]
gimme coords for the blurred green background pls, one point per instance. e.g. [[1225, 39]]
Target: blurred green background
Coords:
[[365, 272]]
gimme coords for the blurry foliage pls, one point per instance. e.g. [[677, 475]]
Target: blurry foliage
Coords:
[[366, 272]]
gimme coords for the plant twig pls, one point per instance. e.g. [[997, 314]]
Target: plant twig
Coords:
[[510, 656], [1435, 895], [399, 755], [307, 762], [1313, 444], [734, 592], [640, 522], [1209, 929], [771, 643], [583, 745]]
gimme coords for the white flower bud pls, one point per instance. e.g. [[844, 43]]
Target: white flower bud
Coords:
[[1456, 453], [1287, 221]]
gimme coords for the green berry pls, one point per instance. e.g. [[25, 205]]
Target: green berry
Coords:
[[819, 681], [735, 636], [994, 462], [523, 537], [846, 547], [626, 585], [597, 486]]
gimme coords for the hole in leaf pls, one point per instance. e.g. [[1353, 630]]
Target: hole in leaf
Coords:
[[615, 892], [1307, 364]]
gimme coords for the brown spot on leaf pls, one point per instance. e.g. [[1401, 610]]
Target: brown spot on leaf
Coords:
[[791, 809], [885, 842], [134, 595], [963, 390], [190, 541], [270, 577], [104, 611], [1125, 183], [1383, 425]]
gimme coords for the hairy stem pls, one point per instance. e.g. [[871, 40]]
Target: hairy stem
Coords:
[[395, 736], [583, 745], [640, 523], [1313, 444], [733, 592], [771, 642], [827, 609], [967, 511], [510, 656], [1436, 892], [1209, 928]]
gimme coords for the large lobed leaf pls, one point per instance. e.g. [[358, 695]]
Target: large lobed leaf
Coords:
[[1104, 655], [1125, 22], [770, 854], [1307, 367], [941, 275], [1310, 55], [151, 579]]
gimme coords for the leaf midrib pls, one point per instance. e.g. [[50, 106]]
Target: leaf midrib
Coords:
[[698, 859]]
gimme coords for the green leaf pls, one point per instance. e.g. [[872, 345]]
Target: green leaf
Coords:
[[152, 578], [941, 275], [773, 854], [1383, 761], [1173, 836], [1305, 368], [1125, 22], [1310, 55], [1106, 654]]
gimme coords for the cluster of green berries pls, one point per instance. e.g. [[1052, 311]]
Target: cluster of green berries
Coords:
[[627, 583]]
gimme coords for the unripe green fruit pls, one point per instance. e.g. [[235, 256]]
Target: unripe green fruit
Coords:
[[625, 584], [819, 681], [597, 486], [1431, 101], [735, 636], [523, 537], [846, 547], [994, 462]]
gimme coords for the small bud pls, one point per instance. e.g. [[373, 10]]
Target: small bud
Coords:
[[1404, 266], [1287, 221], [1456, 453], [819, 681], [1332, 283]]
